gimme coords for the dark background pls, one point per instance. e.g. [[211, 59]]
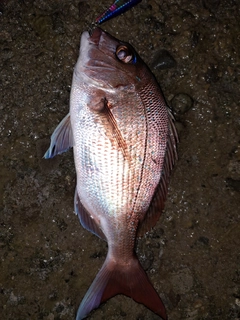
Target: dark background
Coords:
[[48, 260]]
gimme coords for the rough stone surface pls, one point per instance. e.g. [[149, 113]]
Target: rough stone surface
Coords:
[[192, 256]]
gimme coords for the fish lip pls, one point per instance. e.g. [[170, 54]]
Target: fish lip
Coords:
[[84, 40], [95, 36]]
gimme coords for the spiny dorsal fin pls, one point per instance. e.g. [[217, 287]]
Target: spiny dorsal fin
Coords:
[[157, 205]]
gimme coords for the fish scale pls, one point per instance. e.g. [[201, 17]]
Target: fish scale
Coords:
[[104, 166], [124, 144]]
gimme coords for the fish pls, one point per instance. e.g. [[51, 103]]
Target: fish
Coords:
[[118, 7], [125, 145]]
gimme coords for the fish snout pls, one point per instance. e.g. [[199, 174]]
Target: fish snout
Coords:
[[95, 36]]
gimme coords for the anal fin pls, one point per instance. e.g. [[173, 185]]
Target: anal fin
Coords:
[[87, 221]]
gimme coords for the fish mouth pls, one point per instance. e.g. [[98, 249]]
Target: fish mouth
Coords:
[[91, 37], [95, 36], [97, 60]]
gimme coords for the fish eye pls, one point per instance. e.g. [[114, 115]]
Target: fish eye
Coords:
[[126, 54]]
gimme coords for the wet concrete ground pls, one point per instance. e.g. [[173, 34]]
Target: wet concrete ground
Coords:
[[192, 256]]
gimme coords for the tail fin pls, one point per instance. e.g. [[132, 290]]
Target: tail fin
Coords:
[[130, 280]]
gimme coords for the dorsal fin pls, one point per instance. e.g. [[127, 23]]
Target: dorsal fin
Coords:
[[157, 204]]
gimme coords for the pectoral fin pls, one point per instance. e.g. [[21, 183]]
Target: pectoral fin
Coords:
[[61, 139], [112, 131]]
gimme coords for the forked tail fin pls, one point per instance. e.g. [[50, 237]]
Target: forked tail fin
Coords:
[[130, 280]]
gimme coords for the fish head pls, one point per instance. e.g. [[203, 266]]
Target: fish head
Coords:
[[108, 62]]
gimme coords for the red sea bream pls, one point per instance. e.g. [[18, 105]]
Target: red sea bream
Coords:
[[124, 144]]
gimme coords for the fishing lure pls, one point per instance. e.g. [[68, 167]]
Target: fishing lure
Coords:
[[118, 7]]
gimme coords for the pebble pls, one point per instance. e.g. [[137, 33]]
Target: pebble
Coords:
[[181, 103], [163, 60], [234, 169], [233, 184], [237, 302], [211, 5], [182, 281], [50, 316]]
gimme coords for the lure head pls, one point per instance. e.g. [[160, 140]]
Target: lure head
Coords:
[[117, 8]]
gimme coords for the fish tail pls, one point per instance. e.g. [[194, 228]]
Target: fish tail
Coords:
[[130, 280]]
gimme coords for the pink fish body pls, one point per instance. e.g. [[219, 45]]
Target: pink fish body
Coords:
[[124, 143]]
